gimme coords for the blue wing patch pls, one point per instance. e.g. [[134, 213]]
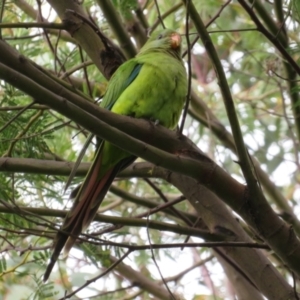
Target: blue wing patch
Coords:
[[135, 72]]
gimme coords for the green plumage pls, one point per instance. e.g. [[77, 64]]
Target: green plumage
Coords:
[[152, 86]]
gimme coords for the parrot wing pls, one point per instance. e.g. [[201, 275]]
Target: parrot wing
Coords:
[[91, 193], [120, 80]]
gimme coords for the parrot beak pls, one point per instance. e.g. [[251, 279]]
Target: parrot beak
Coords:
[[175, 40]]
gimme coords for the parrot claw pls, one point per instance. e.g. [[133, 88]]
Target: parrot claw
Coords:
[[153, 122]]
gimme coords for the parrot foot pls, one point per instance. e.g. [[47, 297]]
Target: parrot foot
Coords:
[[154, 122], [178, 133]]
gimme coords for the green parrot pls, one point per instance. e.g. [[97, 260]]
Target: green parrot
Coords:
[[152, 86]]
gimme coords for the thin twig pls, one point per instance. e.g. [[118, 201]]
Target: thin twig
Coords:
[[1, 16], [166, 200], [85, 73], [59, 26], [156, 264], [270, 36], [159, 15], [24, 108], [88, 282], [166, 14], [188, 96], [295, 286], [217, 15]]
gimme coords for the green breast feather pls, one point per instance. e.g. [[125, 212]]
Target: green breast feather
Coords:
[[158, 91]]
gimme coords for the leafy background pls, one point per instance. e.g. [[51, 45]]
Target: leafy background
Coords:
[[248, 38]]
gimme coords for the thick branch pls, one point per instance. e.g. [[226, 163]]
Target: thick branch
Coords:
[[113, 18]]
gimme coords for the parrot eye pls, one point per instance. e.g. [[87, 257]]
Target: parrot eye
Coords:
[[160, 37]]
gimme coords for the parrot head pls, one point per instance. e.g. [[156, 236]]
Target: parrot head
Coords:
[[163, 40]]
